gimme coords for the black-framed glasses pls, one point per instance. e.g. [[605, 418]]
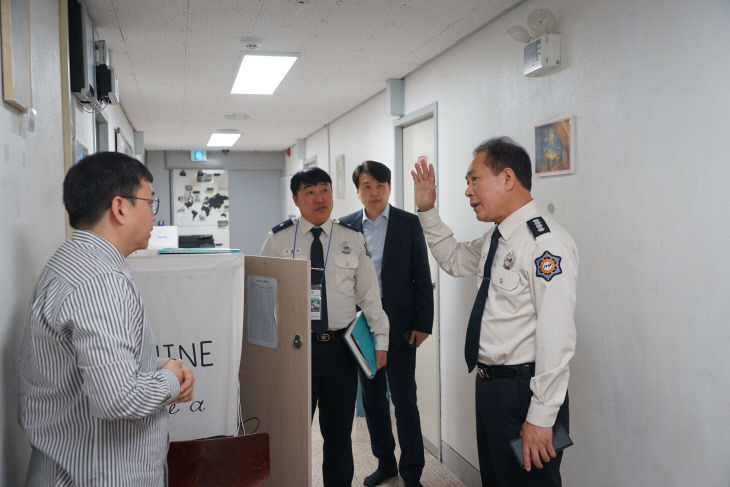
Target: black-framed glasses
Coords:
[[154, 202]]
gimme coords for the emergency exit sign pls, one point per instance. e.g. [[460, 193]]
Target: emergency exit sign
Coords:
[[198, 155]]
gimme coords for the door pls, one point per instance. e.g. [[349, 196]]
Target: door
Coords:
[[275, 383], [418, 141]]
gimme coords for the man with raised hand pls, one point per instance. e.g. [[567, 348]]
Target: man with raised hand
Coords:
[[521, 333]]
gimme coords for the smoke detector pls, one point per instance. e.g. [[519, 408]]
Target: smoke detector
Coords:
[[251, 43]]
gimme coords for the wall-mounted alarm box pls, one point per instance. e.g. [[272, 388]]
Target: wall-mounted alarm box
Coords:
[[542, 54]]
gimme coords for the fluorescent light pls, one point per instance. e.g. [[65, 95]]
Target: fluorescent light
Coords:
[[260, 74], [222, 139]]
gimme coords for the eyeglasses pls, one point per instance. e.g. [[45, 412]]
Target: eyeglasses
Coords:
[[154, 202]]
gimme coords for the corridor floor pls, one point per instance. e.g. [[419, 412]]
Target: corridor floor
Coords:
[[434, 473]]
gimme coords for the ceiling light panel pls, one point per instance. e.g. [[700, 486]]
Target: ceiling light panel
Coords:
[[261, 74], [222, 139]]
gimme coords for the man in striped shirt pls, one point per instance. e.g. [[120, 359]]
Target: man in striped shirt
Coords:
[[92, 391]]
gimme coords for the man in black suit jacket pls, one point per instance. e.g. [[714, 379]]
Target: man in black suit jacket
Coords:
[[398, 249]]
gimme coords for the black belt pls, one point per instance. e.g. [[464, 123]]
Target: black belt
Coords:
[[328, 335], [501, 371]]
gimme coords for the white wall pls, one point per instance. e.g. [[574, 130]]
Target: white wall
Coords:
[[318, 145], [359, 140], [32, 218], [646, 82]]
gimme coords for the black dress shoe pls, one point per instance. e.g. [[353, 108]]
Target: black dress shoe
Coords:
[[378, 477], [413, 483]]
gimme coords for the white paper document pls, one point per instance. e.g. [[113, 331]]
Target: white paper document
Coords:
[[261, 309]]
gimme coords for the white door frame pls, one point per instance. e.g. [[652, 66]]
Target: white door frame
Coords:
[[398, 125], [429, 111]]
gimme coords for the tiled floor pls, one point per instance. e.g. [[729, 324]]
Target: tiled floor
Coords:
[[434, 473]]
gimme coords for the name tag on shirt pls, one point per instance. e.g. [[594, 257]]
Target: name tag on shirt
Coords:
[[315, 302]]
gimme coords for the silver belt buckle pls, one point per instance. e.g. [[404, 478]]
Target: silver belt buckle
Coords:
[[483, 373], [325, 337]]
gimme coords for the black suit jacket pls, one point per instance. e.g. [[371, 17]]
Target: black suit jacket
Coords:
[[405, 274]]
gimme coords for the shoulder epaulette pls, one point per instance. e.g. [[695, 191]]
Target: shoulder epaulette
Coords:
[[281, 226], [346, 225], [538, 226]]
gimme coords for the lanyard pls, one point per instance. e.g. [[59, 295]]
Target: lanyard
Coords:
[[294, 247]]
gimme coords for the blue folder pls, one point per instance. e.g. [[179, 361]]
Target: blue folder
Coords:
[[362, 345]]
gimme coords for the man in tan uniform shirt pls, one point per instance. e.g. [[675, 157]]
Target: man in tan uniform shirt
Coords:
[[522, 328]]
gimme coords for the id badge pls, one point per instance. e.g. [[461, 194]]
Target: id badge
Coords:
[[315, 302]]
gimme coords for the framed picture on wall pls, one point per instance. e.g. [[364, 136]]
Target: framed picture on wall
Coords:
[[554, 147], [340, 175], [15, 35], [122, 144]]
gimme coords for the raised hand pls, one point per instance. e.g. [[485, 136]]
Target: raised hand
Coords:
[[424, 183]]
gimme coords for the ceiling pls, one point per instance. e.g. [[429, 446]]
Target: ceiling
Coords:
[[176, 60]]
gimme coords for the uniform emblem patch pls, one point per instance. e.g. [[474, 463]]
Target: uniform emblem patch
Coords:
[[345, 247], [548, 265]]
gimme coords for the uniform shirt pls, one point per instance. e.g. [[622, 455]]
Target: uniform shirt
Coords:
[[91, 390], [374, 233], [527, 317], [349, 274]]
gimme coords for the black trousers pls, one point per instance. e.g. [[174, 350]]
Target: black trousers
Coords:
[[501, 409], [334, 389], [401, 375]]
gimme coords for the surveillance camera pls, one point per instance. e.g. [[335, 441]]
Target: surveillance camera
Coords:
[[225, 151]]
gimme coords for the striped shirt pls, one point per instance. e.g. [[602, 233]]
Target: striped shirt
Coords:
[[92, 393]]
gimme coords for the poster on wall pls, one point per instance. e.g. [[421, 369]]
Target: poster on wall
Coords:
[[201, 197], [554, 147], [15, 40]]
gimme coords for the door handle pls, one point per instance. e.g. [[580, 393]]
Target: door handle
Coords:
[[297, 341]]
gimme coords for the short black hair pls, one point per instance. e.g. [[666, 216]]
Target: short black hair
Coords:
[[376, 169], [92, 183], [309, 176], [502, 153]]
